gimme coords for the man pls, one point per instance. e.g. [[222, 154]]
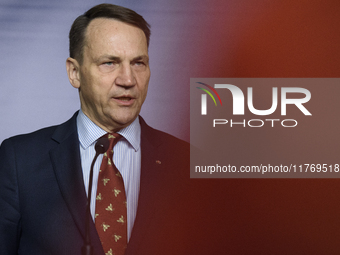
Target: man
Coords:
[[44, 176]]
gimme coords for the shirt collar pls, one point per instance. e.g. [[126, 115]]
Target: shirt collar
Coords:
[[89, 132]]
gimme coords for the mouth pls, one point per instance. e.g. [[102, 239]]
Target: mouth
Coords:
[[124, 100]]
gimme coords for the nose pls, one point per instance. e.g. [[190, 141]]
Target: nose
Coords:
[[125, 77]]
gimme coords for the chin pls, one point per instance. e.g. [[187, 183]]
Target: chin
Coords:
[[125, 121]]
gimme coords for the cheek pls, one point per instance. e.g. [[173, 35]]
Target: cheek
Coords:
[[144, 91], [145, 82], [97, 87]]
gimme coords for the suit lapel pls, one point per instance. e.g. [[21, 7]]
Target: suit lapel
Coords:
[[65, 159], [148, 181], [66, 164]]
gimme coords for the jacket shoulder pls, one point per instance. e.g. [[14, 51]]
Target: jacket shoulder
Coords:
[[42, 137], [160, 138]]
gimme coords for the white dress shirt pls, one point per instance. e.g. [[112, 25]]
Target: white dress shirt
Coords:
[[126, 157]]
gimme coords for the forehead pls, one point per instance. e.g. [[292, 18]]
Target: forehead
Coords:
[[105, 33]]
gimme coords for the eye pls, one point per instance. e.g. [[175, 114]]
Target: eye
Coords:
[[108, 66], [139, 63]]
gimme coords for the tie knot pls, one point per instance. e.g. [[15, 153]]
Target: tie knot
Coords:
[[113, 136], [113, 139]]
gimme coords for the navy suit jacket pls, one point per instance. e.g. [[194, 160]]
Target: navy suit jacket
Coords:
[[43, 199]]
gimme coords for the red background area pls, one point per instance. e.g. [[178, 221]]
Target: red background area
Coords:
[[271, 216]]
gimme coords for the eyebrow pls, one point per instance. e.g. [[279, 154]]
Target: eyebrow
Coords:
[[107, 57], [118, 59]]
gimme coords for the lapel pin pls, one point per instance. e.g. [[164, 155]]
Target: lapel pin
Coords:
[[158, 162]]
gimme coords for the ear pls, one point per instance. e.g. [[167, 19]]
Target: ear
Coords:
[[72, 68]]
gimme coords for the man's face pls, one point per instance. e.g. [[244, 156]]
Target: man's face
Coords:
[[115, 73]]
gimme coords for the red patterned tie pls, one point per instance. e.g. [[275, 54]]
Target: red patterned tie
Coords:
[[111, 213]]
